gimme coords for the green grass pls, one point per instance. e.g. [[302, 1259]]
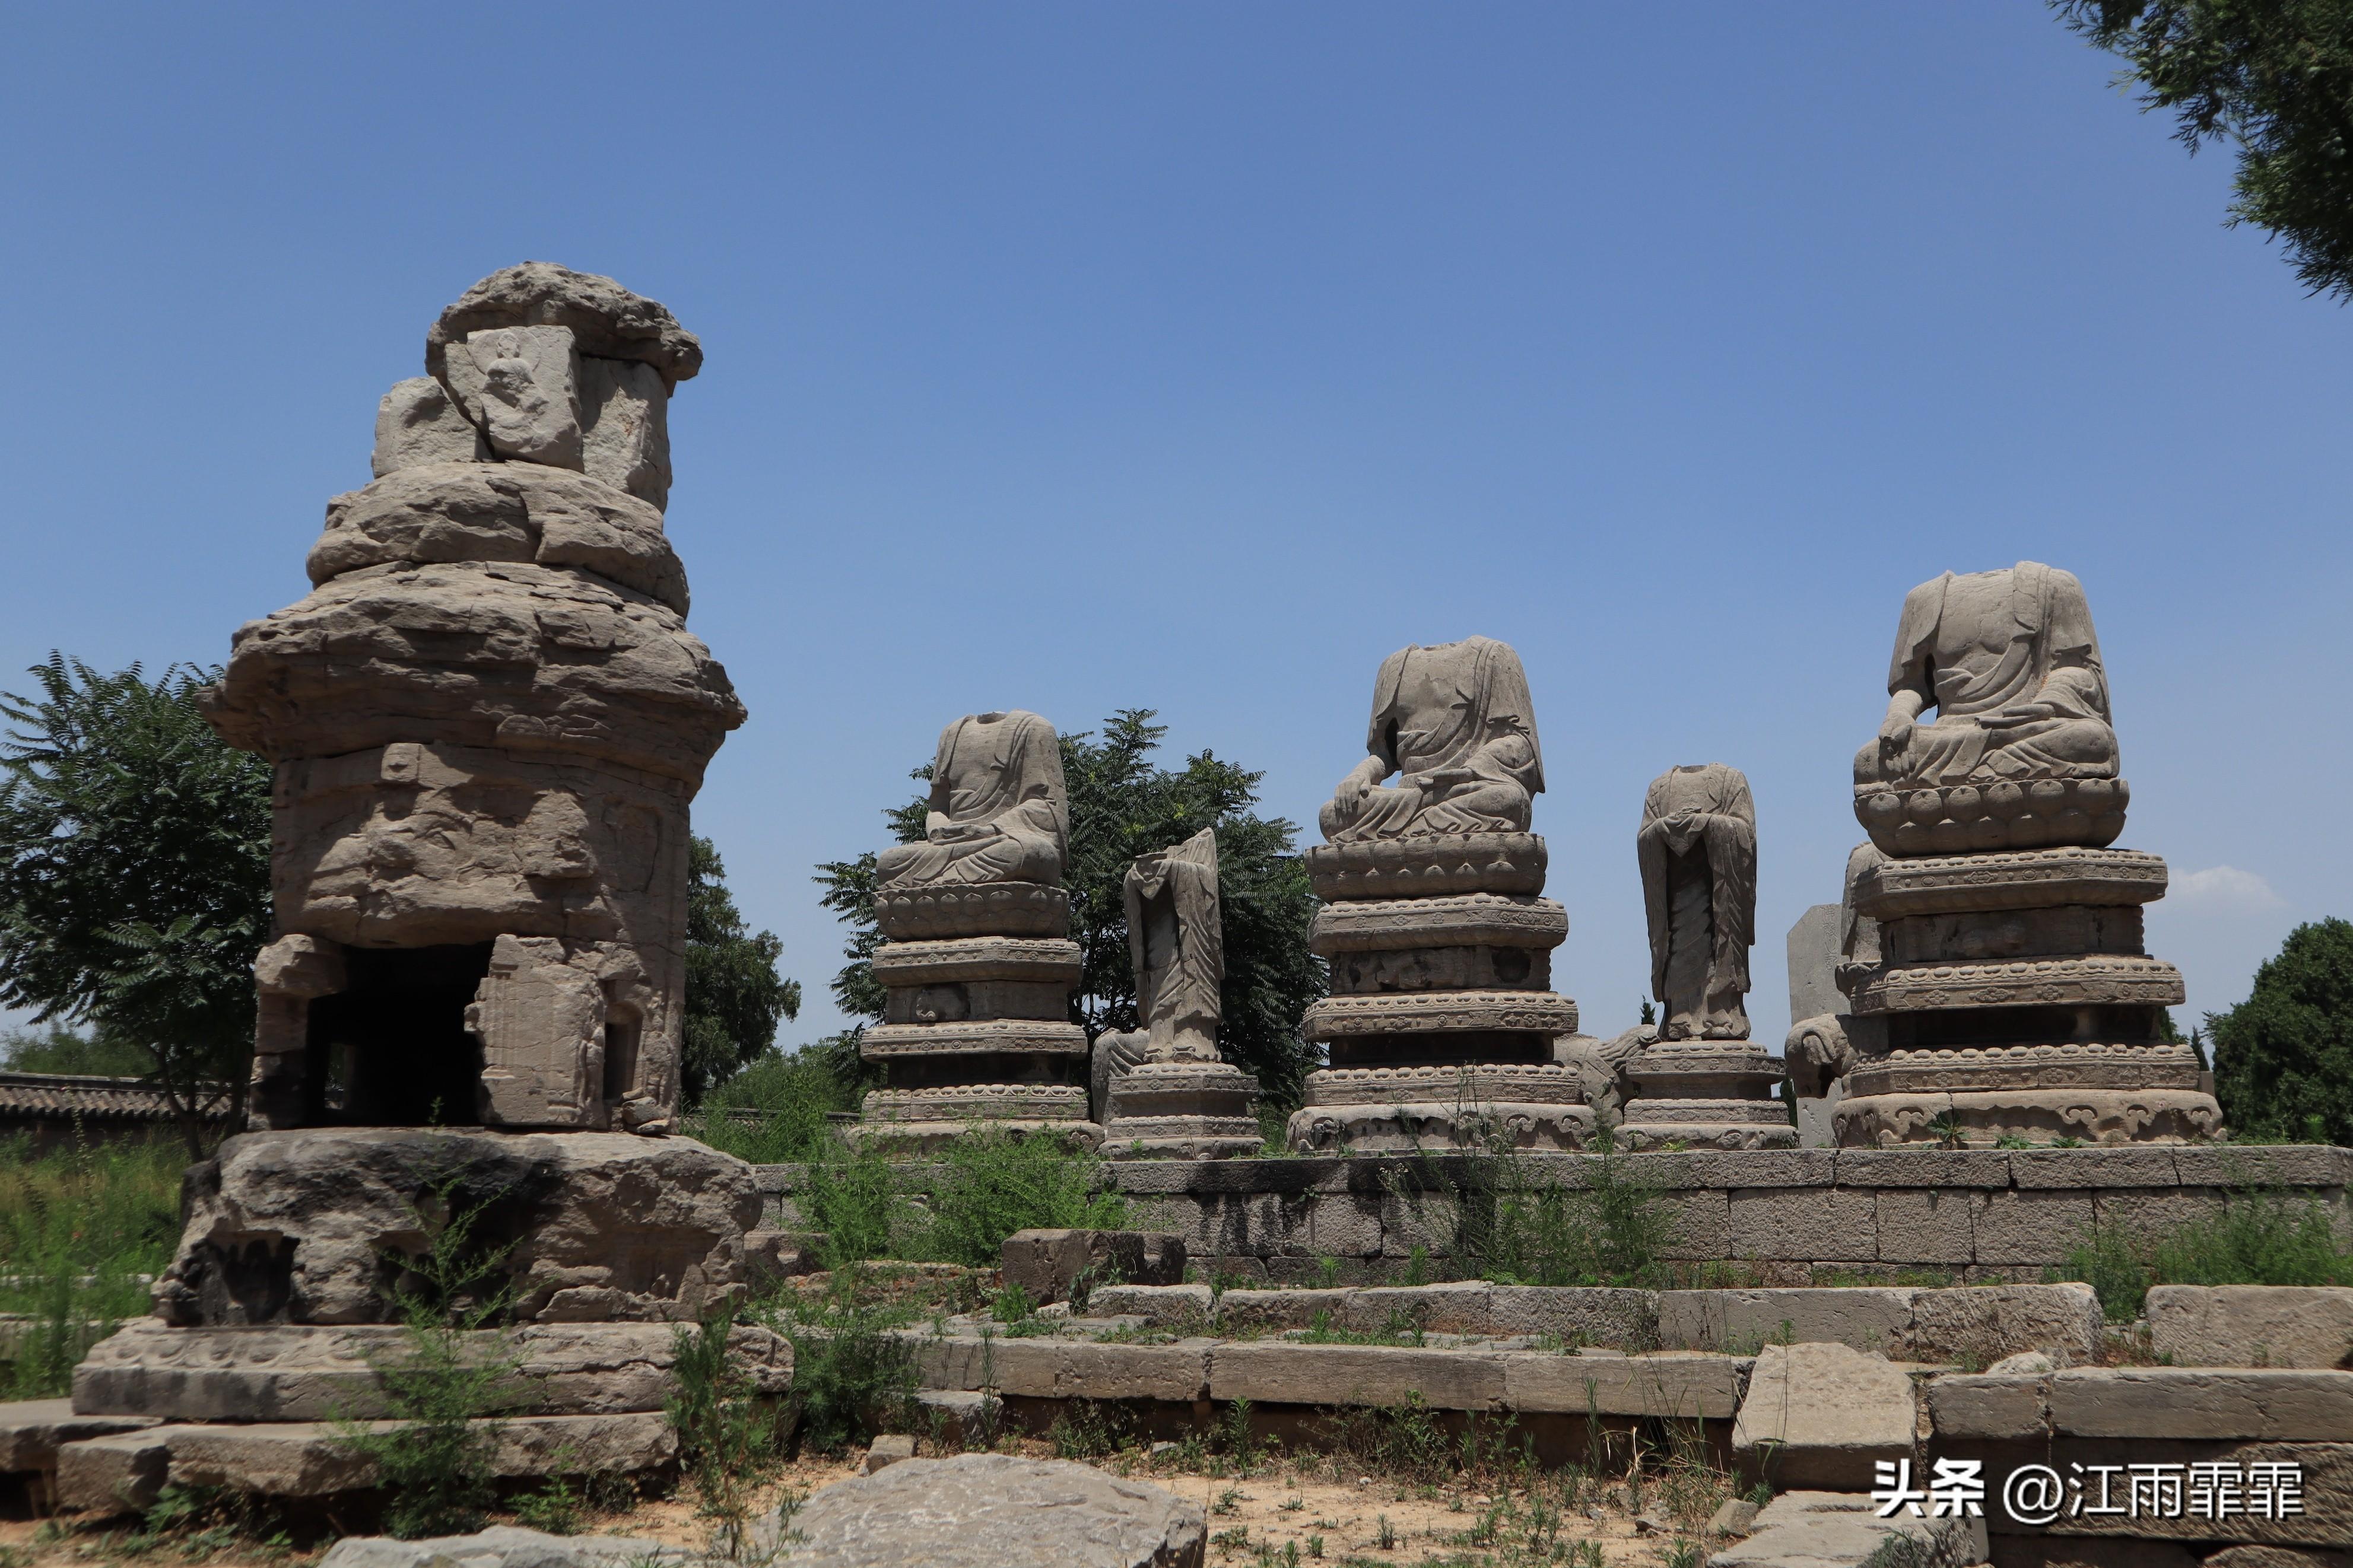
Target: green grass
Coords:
[[791, 1095], [2258, 1239], [78, 1227]]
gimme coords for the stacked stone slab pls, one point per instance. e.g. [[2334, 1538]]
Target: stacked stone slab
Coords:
[[2016, 995], [977, 956], [1169, 1094], [488, 721], [1702, 1082], [1442, 1021]]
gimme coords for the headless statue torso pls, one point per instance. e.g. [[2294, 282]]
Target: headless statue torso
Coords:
[[998, 812]]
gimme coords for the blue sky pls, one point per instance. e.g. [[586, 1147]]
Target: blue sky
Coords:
[[1195, 357]]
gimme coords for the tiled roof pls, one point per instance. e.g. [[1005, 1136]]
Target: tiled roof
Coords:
[[61, 1097]]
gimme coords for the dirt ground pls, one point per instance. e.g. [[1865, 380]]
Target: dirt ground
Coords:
[[1306, 1505]]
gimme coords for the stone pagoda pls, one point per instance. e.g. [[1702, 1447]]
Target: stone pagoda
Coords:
[[488, 721], [1702, 1082], [1171, 1095], [2016, 995], [1442, 1020], [976, 955]]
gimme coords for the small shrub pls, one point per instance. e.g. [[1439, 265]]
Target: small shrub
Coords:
[[995, 1182], [80, 1230], [851, 1375], [440, 1386], [726, 1431], [851, 1192], [2268, 1238]]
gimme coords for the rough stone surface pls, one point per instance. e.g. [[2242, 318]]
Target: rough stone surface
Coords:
[[417, 423], [1841, 1529], [501, 1546], [1278, 1373], [309, 1459], [983, 1510], [605, 319], [293, 1228], [305, 1373], [885, 1451], [487, 721], [1697, 847], [1822, 1414], [32, 1430], [1187, 1307], [2252, 1325], [626, 444], [1050, 1264]]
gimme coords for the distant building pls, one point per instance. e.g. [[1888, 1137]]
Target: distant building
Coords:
[[58, 1107]]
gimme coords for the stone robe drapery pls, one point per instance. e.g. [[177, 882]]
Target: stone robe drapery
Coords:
[[1178, 948], [1697, 847], [1455, 722], [998, 809], [1979, 647]]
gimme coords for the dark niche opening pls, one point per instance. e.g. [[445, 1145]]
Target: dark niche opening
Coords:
[[391, 1049]]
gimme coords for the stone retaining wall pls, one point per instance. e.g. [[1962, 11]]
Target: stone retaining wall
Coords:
[[1974, 1215]]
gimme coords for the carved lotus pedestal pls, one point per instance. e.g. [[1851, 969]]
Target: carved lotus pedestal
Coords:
[[1711, 1094], [1182, 1110], [2019, 1002], [976, 1028], [1442, 1018]]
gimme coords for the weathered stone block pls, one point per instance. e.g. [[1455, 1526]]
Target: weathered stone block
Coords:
[[32, 1430], [1743, 1322], [2029, 1226], [520, 385], [1917, 1225], [2112, 1167], [1735, 1167], [418, 423], [1669, 1385], [1813, 1225], [2190, 1402], [1577, 1314], [1816, 1530], [625, 408], [2256, 1165], [1050, 1264], [1698, 1223], [123, 1473], [1923, 1167], [1279, 1373], [1822, 1415], [1273, 1311], [1186, 1307], [2252, 1325], [1062, 1369], [1450, 1309], [1990, 1407], [502, 1546], [1984, 1323], [978, 1511]]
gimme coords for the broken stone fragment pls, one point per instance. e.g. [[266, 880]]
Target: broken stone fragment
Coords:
[[521, 386], [417, 423], [627, 442]]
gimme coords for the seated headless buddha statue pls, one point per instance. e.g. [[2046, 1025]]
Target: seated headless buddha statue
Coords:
[[2010, 663], [1455, 724], [998, 810]]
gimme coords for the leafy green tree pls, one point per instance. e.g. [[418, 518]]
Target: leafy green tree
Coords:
[[134, 871], [1124, 804], [2272, 77], [58, 1048], [734, 998], [2284, 1058]]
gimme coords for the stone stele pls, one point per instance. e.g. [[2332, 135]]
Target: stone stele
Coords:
[[1170, 1094], [1702, 1081], [488, 721], [1442, 1020], [977, 958], [1994, 934]]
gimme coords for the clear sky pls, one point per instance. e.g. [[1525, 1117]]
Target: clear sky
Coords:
[[1195, 357]]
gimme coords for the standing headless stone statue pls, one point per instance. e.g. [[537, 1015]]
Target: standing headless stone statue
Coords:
[[1174, 1097], [977, 958], [1701, 1080], [1442, 1021], [2009, 973]]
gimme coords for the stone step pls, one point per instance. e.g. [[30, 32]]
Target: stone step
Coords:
[[126, 1472], [2147, 1403], [308, 1373], [32, 1430]]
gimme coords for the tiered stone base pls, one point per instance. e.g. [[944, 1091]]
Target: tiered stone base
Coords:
[[1186, 1111], [2018, 1003], [976, 1026], [1441, 1018], [1710, 1094], [1394, 1109]]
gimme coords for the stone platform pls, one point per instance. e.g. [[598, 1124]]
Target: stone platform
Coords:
[[1977, 1215]]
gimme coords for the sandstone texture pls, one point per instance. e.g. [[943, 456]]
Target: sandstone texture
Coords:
[[487, 721], [1060, 1265], [32, 1430], [2252, 1325], [501, 1546], [1823, 1529], [983, 1510], [303, 1226], [1822, 1415]]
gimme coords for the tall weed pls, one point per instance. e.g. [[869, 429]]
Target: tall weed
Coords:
[[82, 1230], [2258, 1237], [853, 1376], [993, 1182]]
